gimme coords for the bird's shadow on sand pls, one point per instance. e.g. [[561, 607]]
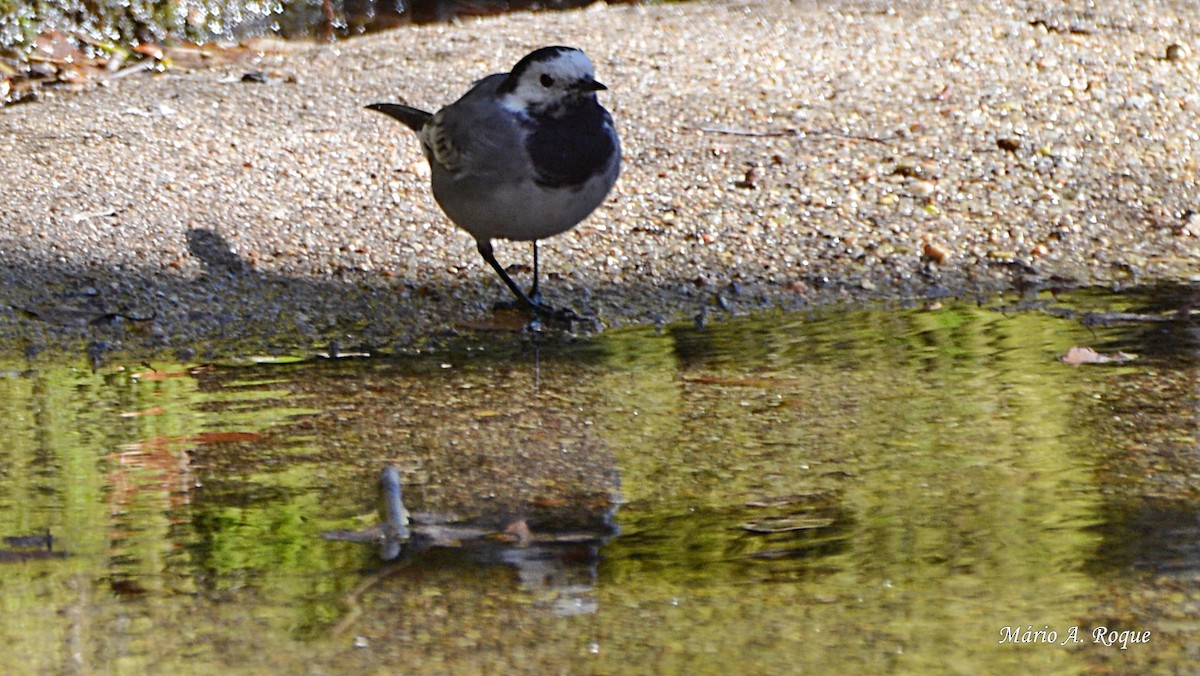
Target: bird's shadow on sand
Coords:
[[214, 252]]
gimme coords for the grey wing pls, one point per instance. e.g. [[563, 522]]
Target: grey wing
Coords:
[[441, 146], [479, 136]]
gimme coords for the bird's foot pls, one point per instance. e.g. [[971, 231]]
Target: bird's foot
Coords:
[[541, 312]]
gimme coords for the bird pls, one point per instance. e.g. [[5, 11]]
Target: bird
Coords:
[[523, 155]]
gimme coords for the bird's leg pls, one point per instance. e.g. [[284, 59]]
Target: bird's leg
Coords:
[[485, 250], [534, 294]]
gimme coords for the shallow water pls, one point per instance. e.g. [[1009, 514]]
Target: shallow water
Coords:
[[865, 491]]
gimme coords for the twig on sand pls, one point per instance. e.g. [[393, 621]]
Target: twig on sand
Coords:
[[788, 132]]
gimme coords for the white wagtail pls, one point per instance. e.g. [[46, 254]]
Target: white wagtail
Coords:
[[522, 155]]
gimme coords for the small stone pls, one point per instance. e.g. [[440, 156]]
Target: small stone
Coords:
[[1191, 225], [923, 188], [1176, 52], [751, 179], [934, 252]]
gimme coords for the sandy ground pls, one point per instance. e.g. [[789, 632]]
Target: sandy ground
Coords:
[[776, 155]]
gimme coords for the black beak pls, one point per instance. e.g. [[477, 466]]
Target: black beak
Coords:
[[591, 86]]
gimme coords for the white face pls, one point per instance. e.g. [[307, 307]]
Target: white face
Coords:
[[547, 84]]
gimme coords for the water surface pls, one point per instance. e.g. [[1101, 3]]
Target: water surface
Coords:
[[860, 490]]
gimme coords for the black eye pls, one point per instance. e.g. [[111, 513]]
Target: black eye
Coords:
[[547, 80]]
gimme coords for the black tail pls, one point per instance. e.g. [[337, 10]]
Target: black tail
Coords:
[[413, 118]]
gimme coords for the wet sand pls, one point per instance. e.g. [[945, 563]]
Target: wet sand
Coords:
[[777, 155]]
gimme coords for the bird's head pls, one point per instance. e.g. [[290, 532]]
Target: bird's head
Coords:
[[549, 81]]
